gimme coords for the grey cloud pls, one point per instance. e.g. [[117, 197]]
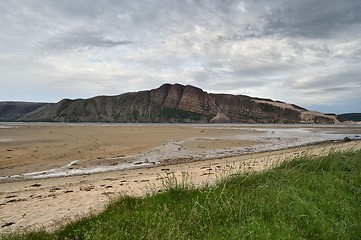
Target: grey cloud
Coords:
[[332, 90], [314, 19], [266, 46], [80, 41], [227, 81], [306, 19], [87, 9], [339, 81], [244, 34]]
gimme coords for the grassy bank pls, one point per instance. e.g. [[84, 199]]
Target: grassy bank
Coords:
[[306, 198]]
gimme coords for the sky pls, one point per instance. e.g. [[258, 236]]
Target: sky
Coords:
[[304, 52]]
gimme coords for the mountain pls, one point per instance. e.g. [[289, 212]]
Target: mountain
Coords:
[[175, 103], [10, 111], [354, 117]]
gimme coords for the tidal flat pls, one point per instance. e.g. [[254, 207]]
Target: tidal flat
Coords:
[[33, 151], [54, 171]]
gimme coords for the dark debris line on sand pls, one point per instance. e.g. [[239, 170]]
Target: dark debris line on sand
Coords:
[[6, 224]]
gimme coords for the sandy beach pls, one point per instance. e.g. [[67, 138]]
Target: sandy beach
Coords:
[[134, 160]]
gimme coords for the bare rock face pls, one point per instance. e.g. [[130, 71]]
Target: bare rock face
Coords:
[[175, 103], [195, 100], [173, 96]]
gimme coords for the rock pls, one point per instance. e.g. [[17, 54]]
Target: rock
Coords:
[[347, 139], [174, 103], [7, 224]]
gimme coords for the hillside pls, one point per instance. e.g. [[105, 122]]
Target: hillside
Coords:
[[355, 117], [10, 111], [175, 103]]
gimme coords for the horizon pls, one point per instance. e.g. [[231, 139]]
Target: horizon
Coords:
[[305, 53]]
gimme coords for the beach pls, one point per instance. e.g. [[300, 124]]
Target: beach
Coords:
[[53, 172]]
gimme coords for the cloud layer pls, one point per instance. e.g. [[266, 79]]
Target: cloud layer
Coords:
[[303, 52]]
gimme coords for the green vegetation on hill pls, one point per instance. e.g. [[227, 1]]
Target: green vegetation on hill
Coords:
[[356, 117], [180, 115], [302, 199]]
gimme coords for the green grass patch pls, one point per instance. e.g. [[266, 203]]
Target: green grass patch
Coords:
[[181, 115], [302, 199]]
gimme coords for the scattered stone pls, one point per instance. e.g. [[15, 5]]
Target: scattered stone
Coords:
[[68, 191], [204, 174], [16, 200], [137, 163], [35, 185], [87, 188], [108, 193], [12, 196], [110, 179], [54, 189], [7, 224], [165, 169]]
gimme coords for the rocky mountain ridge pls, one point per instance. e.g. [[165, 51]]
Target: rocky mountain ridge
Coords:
[[173, 103]]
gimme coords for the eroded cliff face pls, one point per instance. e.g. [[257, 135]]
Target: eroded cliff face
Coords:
[[175, 103]]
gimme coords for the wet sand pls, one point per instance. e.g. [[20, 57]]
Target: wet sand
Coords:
[[35, 148], [48, 201]]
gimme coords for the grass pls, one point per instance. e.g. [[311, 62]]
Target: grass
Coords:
[[302, 199], [181, 115]]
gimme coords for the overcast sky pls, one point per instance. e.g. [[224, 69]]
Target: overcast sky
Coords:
[[305, 52]]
